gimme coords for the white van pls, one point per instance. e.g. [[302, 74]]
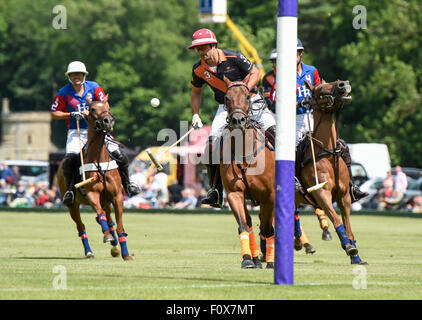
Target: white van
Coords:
[[374, 157]]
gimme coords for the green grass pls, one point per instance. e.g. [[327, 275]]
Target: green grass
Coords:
[[197, 256]]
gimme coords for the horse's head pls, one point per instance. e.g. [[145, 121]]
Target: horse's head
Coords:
[[100, 116], [330, 97], [237, 102]]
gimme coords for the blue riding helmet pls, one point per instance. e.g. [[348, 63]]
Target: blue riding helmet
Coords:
[[299, 45]]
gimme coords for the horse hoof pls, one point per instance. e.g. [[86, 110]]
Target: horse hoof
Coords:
[[247, 262], [326, 235], [115, 252], [108, 238], [127, 257], [257, 263], [297, 244], [351, 250], [309, 248], [270, 265], [89, 255]]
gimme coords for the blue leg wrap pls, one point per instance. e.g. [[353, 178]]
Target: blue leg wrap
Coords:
[[113, 233], [298, 230], [341, 232], [102, 221], [355, 259], [85, 242], [123, 246]]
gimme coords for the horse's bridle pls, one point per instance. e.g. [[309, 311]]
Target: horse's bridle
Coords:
[[325, 102], [238, 109], [99, 120]]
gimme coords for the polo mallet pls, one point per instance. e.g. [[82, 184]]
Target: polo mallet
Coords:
[[155, 160], [84, 181], [317, 185]]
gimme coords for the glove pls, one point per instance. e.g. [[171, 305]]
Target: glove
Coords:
[[196, 121], [77, 115]]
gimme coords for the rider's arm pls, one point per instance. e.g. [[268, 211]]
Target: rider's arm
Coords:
[[253, 78]]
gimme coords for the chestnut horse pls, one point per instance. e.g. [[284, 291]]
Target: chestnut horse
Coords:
[[327, 99], [247, 172], [105, 187]]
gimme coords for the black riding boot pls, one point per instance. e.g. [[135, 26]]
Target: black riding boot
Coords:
[[70, 165], [270, 134], [214, 196], [355, 192], [122, 161]]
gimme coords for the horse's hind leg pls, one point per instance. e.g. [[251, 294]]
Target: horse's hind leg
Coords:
[[114, 249], [300, 237], [76, 217], [118, 212], [252, 242], [266, 221]]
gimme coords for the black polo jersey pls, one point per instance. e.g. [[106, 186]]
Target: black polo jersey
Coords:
[[231, 64]]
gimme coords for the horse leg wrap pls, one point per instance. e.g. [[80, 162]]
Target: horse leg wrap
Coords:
[[303, 238], [270, 249], [113, 233], [354, 259], [85, 242], [102, 221], [322, 218], [244, 244], [298, 228], [252, 243], [344, 239], [262, 243], [123, 245]]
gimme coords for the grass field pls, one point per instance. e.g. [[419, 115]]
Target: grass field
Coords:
[[197, 256]]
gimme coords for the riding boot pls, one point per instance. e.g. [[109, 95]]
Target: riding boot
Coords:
[[70, 163], [122, 161], [270, 134], [355, 192], [214, 196]]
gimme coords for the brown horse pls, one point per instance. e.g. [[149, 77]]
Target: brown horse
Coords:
[[106, 186], [247, 172], [327, 99]]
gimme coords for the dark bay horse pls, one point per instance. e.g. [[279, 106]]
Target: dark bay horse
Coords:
[[247, 171], [327, 99], [105, 189]]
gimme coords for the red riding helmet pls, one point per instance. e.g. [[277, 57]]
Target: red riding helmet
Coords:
[[201, 37]]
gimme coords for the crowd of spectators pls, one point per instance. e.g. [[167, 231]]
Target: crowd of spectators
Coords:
[[392, 195], [15, 192], [156, 192]]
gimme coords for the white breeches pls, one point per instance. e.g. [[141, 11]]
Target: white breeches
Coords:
[[302, 126], [73, 146]]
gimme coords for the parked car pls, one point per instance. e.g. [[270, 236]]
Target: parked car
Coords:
[[29, 169]]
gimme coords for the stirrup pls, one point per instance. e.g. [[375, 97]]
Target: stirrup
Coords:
[[69, 198], [132, 190], [356, 193], [213, 199], [298, 185]]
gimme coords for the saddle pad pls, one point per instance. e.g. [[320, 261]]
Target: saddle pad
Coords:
[[105, 166]]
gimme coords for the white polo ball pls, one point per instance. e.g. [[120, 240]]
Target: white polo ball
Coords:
[[155, 102]]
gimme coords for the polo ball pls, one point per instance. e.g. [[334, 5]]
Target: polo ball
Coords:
[[155, 102]]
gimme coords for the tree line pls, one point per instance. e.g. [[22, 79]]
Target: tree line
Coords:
[[137, 49]]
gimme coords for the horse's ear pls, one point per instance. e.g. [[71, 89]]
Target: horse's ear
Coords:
[[106, 98], [309, 86], [89, 100]]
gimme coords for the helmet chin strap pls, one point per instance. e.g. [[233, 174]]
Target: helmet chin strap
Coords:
[[83, 81]]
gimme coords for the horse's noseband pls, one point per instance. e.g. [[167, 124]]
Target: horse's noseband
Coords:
[[103, 122]]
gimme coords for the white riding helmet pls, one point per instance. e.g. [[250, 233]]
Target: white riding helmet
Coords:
[[76, 66]]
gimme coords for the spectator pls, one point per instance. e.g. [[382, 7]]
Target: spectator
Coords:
[[175, 192], [5, 193], [7, 174], [416, 205], [16, 175], [188, 201], [388, 185], [400, 181], [150, 193], [160, 183], [138, 178]]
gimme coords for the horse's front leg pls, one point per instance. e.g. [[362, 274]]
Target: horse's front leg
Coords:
[[237, 204], [114, 249], [118, 212], [266, 222], [76, 217], [94, 200]]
